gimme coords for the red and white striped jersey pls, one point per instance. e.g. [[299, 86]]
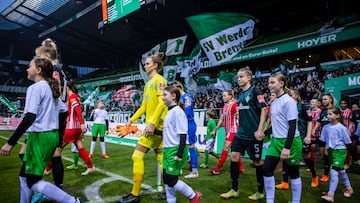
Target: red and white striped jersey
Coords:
[[229, 113], [346, 115], [315, 114]]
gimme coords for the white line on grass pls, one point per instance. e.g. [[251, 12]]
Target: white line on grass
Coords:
[[92, 191]]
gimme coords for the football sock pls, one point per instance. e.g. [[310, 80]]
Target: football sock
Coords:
[[170, 194], [206, 157], [234, 173], [138, 171], [103, 149], [345, 178], [85, 157], [313, 153], [52, 191], [241, 166], [25, 192], [193, 159], [76, 158], [285, 173], [334, 180], [223, 157], [185, 189], [296, 190], [260, 178], [269, 183], [58, 171], [311, 165], [214, 154], [92, 147]]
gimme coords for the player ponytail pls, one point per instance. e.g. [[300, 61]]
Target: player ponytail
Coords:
[[159, 59]]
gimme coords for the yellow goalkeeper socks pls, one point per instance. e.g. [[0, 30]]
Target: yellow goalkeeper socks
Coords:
[[138, 171]]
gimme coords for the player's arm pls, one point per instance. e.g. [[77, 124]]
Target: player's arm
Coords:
[[27, 121], [76, 103], [263, 116], [308, 119], [139, 112], [20, 130], [260, 104], [154, 118], [182, 145]]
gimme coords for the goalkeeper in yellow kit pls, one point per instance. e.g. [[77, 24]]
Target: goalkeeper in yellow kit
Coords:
[[155, 111]]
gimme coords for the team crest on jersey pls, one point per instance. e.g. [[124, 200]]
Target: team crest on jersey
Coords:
[[247, 98], [261, 98], [162, 86]]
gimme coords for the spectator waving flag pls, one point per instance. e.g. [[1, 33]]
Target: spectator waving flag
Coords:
[[222, 35]]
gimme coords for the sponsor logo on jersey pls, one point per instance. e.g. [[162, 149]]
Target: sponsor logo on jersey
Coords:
[[187, 102]]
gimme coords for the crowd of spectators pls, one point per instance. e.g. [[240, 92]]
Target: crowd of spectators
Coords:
[[310, 85]]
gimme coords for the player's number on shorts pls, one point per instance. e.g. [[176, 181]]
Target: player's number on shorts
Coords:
[[257, 148]]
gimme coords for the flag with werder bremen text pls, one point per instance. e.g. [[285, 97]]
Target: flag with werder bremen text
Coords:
[[222, 35]]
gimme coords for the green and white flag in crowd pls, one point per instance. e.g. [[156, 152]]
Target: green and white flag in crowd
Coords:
[[172, 48], [189, 66], [6, 102], [224, 81], [222, 35], [170, 69], [92, 98]]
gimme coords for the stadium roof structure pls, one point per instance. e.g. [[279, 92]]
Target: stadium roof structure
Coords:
[[76, 26]]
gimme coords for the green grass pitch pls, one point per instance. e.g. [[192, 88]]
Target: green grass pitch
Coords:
[[113, 176]]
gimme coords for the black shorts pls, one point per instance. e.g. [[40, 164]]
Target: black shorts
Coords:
[[253, 148]]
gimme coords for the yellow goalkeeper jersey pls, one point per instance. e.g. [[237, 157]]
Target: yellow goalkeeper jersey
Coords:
[[152, 104]]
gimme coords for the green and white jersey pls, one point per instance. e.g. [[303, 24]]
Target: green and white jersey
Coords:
[[283, 109], [336, 136], [175, 123], [249, 104]]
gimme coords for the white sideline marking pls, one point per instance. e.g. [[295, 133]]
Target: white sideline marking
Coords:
[[92, 191]]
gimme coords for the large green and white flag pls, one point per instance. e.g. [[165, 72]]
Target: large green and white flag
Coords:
[[222, 35], [224, 81], [172, 48]]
